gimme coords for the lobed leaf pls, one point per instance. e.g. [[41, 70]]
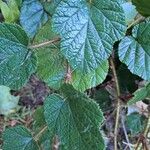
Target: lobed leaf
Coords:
[[83, 82], [17, 62], [135, 123], [130, 12], [52, 66], [39, 125], [75, 119], [18, 138], [134, 50], [140, 94], [32, 16], [88, 31], [50, 6]]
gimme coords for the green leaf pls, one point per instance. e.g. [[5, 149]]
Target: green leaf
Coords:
[[54, 72], [8, 102], [38, 116], [135, 123], [18, 138], [127, 79], [88, 31], [39, 125], [140, 94], [50, 6], [10, 11], [32, 16], [82, 81], [75, 119], [45, 140], [130, 12], [102, 97], [14, 9], [122, 1], [143, 7], [134, 50], [14, 33], [6, 11], [19, 3], [17, 62]]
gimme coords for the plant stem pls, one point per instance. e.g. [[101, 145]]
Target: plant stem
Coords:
[[47, 43], [147, 128], [125, 132], [118, 102], [106, 120], [138, 20], [68, 76], [145, 134], [37, 136]]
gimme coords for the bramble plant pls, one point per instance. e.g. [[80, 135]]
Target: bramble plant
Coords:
[[72, 45]]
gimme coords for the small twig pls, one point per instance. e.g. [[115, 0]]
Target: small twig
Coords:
[[138, 143], [47, 43], [145, 134], [131, 145], [90, 1], [56, 143], [68, 76], [37, 136], [118, 103], [138, 20], [105, 121], [125, 132], [147, 128]]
